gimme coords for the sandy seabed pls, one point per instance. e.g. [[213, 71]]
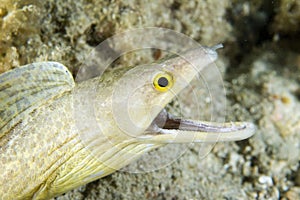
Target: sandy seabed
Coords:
[[260, 65]]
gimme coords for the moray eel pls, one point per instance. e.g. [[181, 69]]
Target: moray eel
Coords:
[[56, 135]]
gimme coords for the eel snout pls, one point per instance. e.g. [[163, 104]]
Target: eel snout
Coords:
[[167, 128]]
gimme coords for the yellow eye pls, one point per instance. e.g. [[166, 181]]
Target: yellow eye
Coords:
[[163, 82]]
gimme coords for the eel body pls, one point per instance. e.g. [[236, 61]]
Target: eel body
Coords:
[[56, 135]]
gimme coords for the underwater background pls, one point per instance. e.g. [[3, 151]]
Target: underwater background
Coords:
[[260, 65]]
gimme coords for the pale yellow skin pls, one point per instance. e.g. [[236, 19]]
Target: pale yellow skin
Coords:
[[53, 146], [55, 157]]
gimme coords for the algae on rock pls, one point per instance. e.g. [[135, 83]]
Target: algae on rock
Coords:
[[18, 22], [287, 19]]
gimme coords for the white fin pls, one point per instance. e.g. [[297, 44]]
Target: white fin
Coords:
[[26, 88]]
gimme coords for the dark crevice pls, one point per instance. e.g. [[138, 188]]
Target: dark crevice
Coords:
[[294, 176], [248, 179], [93, 37], [175, 5], [252, 32]]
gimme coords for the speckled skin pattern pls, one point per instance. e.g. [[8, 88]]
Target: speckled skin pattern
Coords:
[[46, 153]]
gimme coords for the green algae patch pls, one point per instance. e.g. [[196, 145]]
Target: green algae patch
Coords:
[[18, 22], [287, 19]]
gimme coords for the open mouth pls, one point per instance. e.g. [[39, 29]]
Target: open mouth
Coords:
[[167, 128]]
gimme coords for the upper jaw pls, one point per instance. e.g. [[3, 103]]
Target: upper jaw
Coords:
[[166, 128]]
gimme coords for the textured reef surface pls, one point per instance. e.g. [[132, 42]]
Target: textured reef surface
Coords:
[[260, 65]]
